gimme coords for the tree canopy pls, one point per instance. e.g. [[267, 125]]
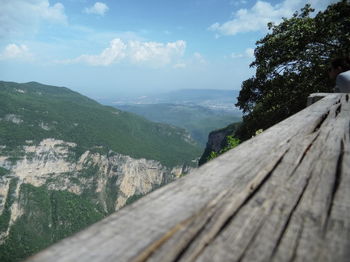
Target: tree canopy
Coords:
[[291, 62]]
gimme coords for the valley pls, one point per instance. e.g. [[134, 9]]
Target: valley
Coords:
[[197, 120], [198, 111]]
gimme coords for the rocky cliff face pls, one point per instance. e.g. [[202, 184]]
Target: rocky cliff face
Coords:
[[217, 140], [48, 179]]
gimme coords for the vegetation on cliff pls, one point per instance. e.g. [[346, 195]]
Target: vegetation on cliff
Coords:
[[220, 141], [48, 216]]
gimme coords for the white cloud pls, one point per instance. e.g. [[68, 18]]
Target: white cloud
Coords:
[[180, 65], [53, 13], [238, 2], [257, 17], [248, 53], [13, 51], [158, 53], [136, 52], [98, 9], [198, 58], [24, 16], [112, 54]]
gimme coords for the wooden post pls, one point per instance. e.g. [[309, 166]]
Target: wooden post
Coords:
[[284, 195], [313, 98]]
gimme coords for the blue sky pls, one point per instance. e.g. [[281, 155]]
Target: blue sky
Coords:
[[118, 47]]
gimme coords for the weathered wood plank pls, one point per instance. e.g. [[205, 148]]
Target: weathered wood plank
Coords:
[[282, 196]]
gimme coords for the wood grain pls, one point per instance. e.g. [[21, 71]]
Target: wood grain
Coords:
[[284, 195]]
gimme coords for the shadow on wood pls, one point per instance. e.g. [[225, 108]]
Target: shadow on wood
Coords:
[[284, 195]]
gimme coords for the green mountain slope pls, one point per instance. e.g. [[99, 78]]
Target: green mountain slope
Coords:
[[66, 162], [199, 121], [35, 111]]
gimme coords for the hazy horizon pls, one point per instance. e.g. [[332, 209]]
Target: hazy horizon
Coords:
[[135, 47]]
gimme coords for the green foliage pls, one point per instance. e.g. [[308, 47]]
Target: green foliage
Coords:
[[291, 62], [217, 141], [133, 198], [48, 217], [258, 132], [111, 193], [4, 171], [13, 153], [213, 155], [56, 112], [89, 171], [71, 213], [231, 142], [30, 233], [6, 214]]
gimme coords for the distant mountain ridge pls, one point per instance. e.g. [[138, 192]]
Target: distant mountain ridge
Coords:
[[210, 98]]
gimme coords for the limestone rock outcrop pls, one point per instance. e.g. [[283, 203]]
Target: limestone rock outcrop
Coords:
[[109, 180]]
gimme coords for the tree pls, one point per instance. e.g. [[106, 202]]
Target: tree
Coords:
[[291, 62]]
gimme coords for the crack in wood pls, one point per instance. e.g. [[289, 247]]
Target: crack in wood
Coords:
[[304, 155], [337, 179], [209, 218], [262, 222], [338, 110], [184, 228], [145, 254], [291, 213], [230, 210], [256, 188], [203, 227], [322, 119], [296, 246]]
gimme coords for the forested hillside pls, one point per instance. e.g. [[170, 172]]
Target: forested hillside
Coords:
[[67, 161], [33, 111]]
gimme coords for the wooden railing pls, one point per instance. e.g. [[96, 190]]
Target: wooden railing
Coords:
[[284, 195]]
